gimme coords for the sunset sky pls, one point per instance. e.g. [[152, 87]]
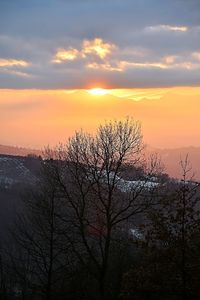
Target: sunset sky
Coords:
[[143, 55]]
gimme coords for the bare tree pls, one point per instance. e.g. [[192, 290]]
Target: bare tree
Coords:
[[170, 246], [88, 171], [41, 258]]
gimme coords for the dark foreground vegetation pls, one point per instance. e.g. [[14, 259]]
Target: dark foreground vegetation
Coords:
[[102, 221]]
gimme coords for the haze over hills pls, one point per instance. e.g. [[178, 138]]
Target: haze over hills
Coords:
[[170, 157], [18, 151]]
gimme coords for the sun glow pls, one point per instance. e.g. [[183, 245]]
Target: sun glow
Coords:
[[98, 91]]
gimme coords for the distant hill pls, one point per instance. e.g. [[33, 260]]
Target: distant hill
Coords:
[[19, 151], [170, 157]]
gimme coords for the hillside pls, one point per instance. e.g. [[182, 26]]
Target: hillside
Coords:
[[15, 170], [19, 151]]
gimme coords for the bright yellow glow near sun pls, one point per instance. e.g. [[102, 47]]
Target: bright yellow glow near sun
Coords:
[[98, 91]]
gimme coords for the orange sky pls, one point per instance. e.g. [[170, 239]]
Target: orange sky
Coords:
[[35, 118]]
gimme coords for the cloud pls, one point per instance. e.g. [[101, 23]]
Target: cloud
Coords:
[[185, 62], [124, 65], [167, 28], [14, 67], [97, 47], [129, 64], [89, 48], [120, 43], [15, 72], [106, 66], [170, 59], [196, 55], [63, 55], [12, 62]]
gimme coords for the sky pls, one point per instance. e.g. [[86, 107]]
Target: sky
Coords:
[[145, 52]]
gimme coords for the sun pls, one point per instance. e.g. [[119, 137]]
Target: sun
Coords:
[[98, 91]]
